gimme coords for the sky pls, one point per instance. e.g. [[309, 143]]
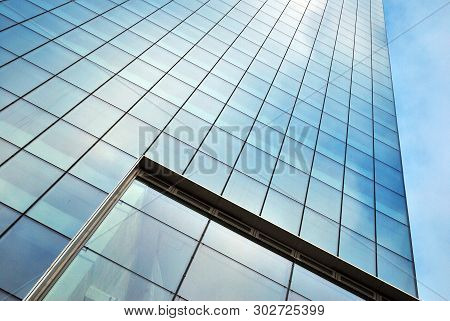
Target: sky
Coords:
[[420, 62]]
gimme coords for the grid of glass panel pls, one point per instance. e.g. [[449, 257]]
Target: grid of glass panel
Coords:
[[151, 247], [290, 102]]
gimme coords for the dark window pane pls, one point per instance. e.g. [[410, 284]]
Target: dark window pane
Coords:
[[26, 251]]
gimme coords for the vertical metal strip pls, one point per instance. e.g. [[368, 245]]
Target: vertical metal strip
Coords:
[[52, 274]]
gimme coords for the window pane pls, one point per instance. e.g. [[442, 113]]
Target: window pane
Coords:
[[143, 245], [7, 217], [357, 250], [290, 182], [358, 217], [213, 276], [86, 75], [359, 162], [324, 199], [165, 209], [94, 116], [171, 152], [24, 178], [393, 235], [120, 93], [316, 288], [68, 205], [154, 111], [320, 231], [331, 147], [396, 270], [52, 57], [103, 166], [391, 204], [208, 172], [359, 187], [62, 144], [132, 135], [26, 251], [248, 253], [282, 211], [13, 118], [6, 150], [245, 192], [56, 96], [328, 171], [90, 277], [389, 177]]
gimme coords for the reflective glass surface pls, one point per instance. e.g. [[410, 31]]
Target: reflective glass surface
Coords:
[[283, 107]]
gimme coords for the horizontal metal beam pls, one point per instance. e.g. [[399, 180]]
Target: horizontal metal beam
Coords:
[[280, 240]]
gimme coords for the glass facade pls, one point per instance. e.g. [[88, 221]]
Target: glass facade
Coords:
[[283, 107]]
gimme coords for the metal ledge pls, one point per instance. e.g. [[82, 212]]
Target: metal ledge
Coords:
[[342, 273], [237, 218]]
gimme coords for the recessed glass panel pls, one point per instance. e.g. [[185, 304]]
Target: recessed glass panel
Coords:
[[248, 253], [91, 277], [143, 245], [67, 205], [213, 276], [24, 178], [165, 209], [26, 251], [313, 287]]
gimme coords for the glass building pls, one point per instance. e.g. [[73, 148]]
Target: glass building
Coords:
[[274, 118]]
